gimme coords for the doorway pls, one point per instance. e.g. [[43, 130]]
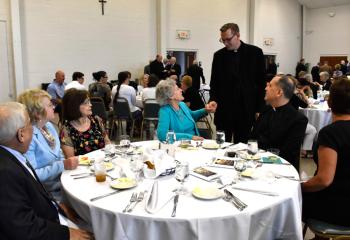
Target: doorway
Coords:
[[332, 60], [183, 58]]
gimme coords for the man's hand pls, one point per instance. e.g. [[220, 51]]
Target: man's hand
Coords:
[[71, 163], [257, 115], [78, 234], [211, 107], [71, 214]]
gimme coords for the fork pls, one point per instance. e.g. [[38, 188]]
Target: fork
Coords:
[[236, 199], [132, 199], [139, 199], [231, 200]]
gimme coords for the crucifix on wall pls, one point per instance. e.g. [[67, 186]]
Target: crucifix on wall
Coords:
[[103, 6]]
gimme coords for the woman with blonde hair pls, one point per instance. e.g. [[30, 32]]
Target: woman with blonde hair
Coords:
[[44, 152]]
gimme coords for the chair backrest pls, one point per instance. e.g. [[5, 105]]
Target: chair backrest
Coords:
[[150, 109], [121, 109], [98, 108]]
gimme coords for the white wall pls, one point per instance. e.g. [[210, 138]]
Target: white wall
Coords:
[[281, 21], [204, 19], [74, 36], [326, 35], [7, 80]]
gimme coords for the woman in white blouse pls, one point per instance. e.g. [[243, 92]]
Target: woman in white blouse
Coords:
[[124, 90], [150, 91]]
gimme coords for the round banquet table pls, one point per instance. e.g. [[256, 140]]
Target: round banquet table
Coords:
[[266, 217], [319, 115]]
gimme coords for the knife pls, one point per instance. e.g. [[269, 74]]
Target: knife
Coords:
[[176, 200], [227, 146], [104, 195], [267, 193]]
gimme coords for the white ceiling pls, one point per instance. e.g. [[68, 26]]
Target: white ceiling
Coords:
[[323, 3]]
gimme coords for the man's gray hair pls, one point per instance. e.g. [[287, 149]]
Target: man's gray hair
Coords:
[[12, 118], [325, 74], [287, 85], [164, 91]]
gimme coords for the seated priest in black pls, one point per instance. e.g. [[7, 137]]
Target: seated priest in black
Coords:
[[191, 95], [280, 125], [27, 210]]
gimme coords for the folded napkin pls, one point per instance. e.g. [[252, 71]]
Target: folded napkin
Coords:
[[271, 159], [161, 160], [152, 198]]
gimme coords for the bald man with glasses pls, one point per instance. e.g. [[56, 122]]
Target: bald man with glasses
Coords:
[[237, 84]]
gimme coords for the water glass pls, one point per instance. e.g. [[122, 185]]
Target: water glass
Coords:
[[252, 147], [136, 165], [124, 141], [170, 137], [220, 137], [181, 173], [240, 166]]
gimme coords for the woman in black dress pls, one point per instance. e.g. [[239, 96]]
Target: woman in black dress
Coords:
[[326, 196]]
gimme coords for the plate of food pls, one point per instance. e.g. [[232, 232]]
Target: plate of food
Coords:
[[224, 162], [245, 155], [204, 173], [109, 166], [207, 192], [123, 183], [84, 160], [210, 145]]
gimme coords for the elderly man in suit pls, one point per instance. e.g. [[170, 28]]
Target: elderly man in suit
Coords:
[[280, 125], [196, 72], [27, 210], [173, 68], [237, 84]]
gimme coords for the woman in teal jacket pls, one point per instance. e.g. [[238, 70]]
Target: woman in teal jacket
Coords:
[[175, 115]]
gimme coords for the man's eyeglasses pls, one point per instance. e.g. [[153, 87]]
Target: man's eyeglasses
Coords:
[[227, 39]]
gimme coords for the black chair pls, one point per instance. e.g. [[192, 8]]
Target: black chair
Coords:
[[121, 112], [326, 230], [44, 86], [150, 113]]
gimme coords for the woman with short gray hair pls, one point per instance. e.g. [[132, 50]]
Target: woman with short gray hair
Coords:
[[175, 115]]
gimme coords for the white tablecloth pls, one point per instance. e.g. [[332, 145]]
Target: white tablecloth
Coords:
[[319, 115], [266, 217]]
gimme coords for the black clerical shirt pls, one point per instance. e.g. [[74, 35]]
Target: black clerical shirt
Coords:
[[283, 128]]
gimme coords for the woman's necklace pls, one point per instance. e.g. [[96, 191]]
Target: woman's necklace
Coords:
[[48, 136], [80, 126], [179, 113]]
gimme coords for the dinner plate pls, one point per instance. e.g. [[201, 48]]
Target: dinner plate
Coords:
[[123, 183], [207, 193], [109, 166], [210, 146], [248, 156]]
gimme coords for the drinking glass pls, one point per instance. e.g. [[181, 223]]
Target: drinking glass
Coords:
[[100, 171], [240, 166], [253, 147], [124, 144], [136, 165], [220, 137], [170, 137], [181, 173]]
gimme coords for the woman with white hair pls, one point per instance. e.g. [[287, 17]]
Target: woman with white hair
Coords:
[[175, 115]]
